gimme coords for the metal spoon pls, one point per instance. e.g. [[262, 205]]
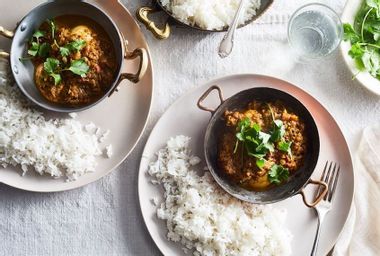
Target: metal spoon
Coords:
[[227, 42]]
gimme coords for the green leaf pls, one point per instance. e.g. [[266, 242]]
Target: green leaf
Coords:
[[277, 174], [77, 45], [38, 34], [356, 51], [57, 78], [350, 34], [244, 123], [256, 127], [278, 131], [51, 65], [371, 62], [64, 51], [260, 163], [44, 49], [79, 67], [373, 3], [284, 146], [33, 50]]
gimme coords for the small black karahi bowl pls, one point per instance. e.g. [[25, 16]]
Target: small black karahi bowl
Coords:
[[298, 181], [23, 72]]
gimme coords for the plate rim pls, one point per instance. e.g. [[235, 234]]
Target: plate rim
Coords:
[[151, 69], [144, 157]]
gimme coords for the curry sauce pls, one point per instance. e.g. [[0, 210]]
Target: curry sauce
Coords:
[[84, 59], [240, 165]]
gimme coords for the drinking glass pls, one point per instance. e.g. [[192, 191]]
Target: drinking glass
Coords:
[[314, 31]]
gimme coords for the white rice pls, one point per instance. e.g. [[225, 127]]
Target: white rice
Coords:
[[205, 219], [210, 14], [58, 148]]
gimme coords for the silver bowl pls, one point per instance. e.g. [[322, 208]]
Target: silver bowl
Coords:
[[23, 72]]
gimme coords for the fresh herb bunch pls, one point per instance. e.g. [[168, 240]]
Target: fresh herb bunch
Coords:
[[39, 47], [258, 144], [364, 36]]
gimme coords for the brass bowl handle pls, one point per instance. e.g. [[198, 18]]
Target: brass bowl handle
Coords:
[[205, 95], [319, 196], [138, 52], [142, 15], [6, 33], [143, 66], [4, 55]]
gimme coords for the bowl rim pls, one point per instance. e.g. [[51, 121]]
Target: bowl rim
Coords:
[[219, 178], [50, 106]]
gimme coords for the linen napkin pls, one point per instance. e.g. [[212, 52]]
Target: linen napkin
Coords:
[[361, 234]]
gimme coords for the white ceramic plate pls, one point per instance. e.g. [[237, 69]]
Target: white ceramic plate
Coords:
[[183, 117], [125, 113], [364, 78]]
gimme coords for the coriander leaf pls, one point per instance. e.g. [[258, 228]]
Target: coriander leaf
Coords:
[[38, 34], [77, 45], [260, 163], [278, 131], [256, 127], [371, 61], [33, 50], [44, 49], [356, 51], [64, 51], [285, 147], [350, 34], [79, 67], [264, 137], [373, 3], [278, 174], [376, 36], [57, 78], [246, 122], [51, 65]]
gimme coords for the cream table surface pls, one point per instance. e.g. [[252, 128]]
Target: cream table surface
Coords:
[[103, 218]]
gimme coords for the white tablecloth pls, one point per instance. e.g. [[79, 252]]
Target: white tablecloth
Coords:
[[104, 218]]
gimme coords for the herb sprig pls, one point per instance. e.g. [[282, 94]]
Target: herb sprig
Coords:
[[364, 37], [278, 174], [258, 144], [39, 47]]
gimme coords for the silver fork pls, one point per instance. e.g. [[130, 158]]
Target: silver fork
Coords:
[[330, 175]]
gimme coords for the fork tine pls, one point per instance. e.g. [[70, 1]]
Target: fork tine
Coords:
[[322, 178], [326, 180], [336, 177], [331, 182]]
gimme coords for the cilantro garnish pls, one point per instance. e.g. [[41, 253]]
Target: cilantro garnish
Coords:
[[258, 144], [53, 55], [364, 37], [278, 174], [51, 66], [73, 46], [79, 67]]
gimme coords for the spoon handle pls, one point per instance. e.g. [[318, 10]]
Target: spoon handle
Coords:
[[227, 42]]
